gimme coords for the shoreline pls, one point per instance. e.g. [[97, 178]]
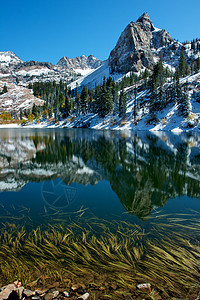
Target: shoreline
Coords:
[[176, 129]]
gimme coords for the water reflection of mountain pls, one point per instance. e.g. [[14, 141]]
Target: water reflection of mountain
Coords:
[[144, 169]]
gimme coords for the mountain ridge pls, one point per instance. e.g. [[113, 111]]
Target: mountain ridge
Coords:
[[80, 62]]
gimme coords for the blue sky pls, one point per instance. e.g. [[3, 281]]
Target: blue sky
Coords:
[[46, 30]]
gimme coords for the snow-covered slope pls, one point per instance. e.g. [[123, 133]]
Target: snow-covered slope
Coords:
[[96, 77], [8, 60], [168, 118], [17, 97]]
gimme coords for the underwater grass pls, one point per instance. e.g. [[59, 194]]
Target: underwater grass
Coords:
[[167, 255]]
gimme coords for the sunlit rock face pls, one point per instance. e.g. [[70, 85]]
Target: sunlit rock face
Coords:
[[134, 49]]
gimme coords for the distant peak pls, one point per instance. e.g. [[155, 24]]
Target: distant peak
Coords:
[[81, 62]]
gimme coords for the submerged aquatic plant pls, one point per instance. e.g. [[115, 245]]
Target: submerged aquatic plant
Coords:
[[164, 254]]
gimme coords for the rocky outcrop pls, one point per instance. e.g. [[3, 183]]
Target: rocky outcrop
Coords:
[[80, 62], [134, 49], [35, 64]]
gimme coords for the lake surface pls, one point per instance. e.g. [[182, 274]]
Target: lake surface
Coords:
[[104, 174], [123, 206]]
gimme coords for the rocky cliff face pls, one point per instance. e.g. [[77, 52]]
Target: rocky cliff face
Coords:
[[80, 62], [136, 46]]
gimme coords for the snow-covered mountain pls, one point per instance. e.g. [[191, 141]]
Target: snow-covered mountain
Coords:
[[139, 47], [8, 60], [14, 70], [80, 64], [17, 74], [141, 44]]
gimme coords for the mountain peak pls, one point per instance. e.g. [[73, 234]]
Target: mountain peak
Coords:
[[144, 16], [145, 22], [135, 47], [80, 62]]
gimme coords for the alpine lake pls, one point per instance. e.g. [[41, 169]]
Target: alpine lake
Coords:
[[106, 209]]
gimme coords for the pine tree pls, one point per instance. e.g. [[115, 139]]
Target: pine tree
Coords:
[[34, 110], [177, 85], [20, 114], [198, 65], [83, 99], [77, 103], [115, 99], [97, 97], [5, 90], [108, 101], [66, 107], [122, 104], [135, 103], [102, 100], [186, 108], [182, 64]]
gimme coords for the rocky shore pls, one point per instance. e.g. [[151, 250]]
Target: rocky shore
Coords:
[[16, 291], [57, 291]]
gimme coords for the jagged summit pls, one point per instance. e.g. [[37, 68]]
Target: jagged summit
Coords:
[[145, 22], [82, 62], [144, 18], [134, 49]]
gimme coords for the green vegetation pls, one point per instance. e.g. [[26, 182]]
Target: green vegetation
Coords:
[[111, 97], [96, 251], [5, 117]]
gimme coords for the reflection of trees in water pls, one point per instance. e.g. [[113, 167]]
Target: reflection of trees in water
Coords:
[[143, 170], [143, 173]]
